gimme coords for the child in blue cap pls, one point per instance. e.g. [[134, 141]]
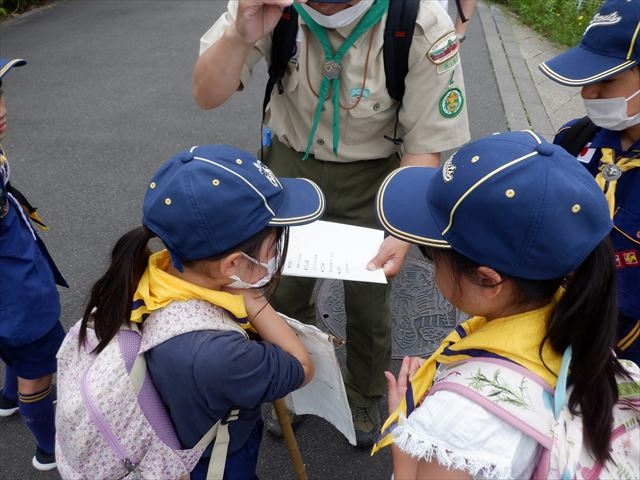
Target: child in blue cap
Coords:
[[606, 65], [222, 216], [518, 234], [30, 330]]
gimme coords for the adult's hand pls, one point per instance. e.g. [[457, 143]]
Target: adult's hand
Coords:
[[257, 18], [390, 256]]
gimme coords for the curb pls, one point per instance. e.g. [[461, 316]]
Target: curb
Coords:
[[522, 103]]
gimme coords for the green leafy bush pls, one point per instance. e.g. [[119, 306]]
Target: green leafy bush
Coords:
[[560, 21], [14, 7]]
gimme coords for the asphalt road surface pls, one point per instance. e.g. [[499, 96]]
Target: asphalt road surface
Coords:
[[104, 100]]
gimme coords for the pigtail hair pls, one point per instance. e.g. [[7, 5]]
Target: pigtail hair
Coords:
[[586, 318], [110, 300]]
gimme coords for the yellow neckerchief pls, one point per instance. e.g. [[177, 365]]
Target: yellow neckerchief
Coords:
[[157, 289], [607, 162], [515, 338]]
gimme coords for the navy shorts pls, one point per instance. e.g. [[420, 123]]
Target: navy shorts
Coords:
[[36, 359]]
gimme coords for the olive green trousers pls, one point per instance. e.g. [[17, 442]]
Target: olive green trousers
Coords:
[[350, 190]]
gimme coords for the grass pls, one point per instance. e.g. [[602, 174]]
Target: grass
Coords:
[[559, 21]]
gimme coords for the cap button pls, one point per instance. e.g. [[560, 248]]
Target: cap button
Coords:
[[545, 149], [186, 157]]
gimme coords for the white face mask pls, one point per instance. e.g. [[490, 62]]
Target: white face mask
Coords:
[[611, 113], [342, 18], [270, 266]]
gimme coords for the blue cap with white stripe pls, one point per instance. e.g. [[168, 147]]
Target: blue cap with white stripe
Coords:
[[207, 200], [609, 46], [510, 201]]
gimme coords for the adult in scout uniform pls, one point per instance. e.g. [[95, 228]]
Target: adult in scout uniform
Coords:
[[336, 124], [606, 64]]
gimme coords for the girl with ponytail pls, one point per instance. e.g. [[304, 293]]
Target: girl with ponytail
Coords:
[[517, 233], [222, 216]]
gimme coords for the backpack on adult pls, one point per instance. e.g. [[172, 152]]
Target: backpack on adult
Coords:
[[526, 402], [111, 422], [398, 33]]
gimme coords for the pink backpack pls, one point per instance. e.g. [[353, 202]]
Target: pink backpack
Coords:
[[110, 420], [528, 403]]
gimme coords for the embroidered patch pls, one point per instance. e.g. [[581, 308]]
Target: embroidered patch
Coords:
[[444, 48], [360, 92], [448, 64], [603, 20], [447, 169], [628, 258], [586, 154], [264, 170], [451, 103]]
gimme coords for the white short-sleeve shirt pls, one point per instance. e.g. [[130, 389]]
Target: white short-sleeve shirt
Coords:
[[459, 434]]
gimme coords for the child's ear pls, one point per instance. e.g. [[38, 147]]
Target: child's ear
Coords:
[[490, 279], [229, 264]]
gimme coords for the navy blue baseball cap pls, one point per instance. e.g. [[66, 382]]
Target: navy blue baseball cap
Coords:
[[510, 201], [207, 200], [609, 46], [7, 64]]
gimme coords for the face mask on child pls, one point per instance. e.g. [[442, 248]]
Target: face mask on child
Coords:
[[611, 113], [340, 19], [270, 266]]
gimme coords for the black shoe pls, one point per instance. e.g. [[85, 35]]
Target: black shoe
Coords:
[[7, 407], [272, 424], [43, 462], [366, 422]]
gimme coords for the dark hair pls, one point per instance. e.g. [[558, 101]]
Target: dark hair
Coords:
[[110, 299], [584, 318]]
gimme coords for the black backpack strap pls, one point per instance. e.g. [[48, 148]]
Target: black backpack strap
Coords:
[[577, 135], [398, 33], [282, 48]]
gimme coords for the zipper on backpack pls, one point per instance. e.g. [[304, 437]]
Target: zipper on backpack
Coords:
[[103, 427]]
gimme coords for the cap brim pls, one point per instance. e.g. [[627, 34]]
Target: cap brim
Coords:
[[403, 207], [303, 202], [578, 66], [5, 66]]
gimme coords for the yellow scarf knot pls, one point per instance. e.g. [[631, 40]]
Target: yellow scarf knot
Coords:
[[157, 288]]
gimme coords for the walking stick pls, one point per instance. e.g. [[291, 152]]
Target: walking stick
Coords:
[[290, 439]]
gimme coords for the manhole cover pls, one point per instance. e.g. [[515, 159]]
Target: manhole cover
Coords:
[[421, 315]]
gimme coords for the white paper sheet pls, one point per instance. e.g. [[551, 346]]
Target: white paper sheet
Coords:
[[333, 250], [324, 395]]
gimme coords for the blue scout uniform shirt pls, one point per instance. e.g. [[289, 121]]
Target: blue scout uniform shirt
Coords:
[[29, 300], [626, 232], [202, 375]]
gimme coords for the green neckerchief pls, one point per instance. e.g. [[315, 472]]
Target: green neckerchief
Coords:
[[331, 68]]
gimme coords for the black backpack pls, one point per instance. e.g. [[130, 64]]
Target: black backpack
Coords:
[[398, 33], [577, 136]]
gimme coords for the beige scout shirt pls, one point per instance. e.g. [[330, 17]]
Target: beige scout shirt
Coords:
[[433, 117]]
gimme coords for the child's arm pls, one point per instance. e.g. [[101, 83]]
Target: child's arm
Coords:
[[274, 329]]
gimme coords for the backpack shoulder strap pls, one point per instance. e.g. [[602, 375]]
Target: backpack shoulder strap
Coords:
[[507, 390], [398, 33], [184, 317], [282, 46], [219, 432], [577, 135]]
